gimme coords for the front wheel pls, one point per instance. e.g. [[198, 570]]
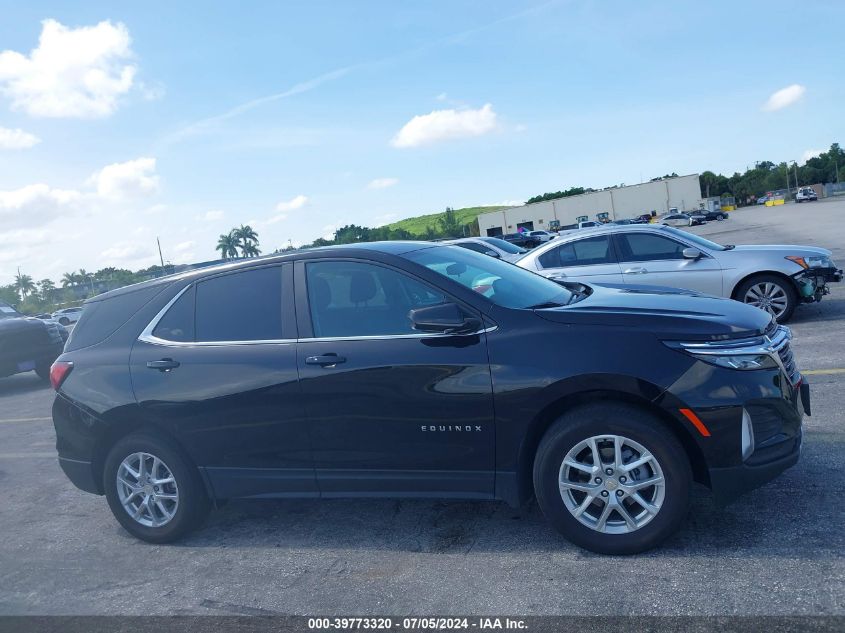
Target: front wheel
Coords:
[[612, 479], [64, 321], [152, 490], [775, 295], [721, 217]]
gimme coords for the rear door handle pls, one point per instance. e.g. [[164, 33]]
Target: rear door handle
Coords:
[[165, 364], [326, 360], [635, 271]]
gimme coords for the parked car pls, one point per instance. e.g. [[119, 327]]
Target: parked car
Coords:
[[697, 217], [541, 236], [806, 194], [490, 246], [762, 199], [709, 216], [645, 218], [520, 239], [774, 278], [27, 343], [380, 370], [66, 316], [677, 219]]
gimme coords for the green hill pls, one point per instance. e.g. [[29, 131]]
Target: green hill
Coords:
[[418, 224]]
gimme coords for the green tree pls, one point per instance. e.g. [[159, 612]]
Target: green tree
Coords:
[[24, 285], [449, 225], [247, 240], [227, 244], [70, 279], [46, 287]]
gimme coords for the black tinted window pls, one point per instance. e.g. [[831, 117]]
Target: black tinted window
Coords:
[[177, 324], [473, 246], [243, 306], [357, 299], [586, 252], [644, 247]]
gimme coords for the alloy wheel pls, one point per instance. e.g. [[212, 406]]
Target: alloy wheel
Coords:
[[768, 296], [612, 484], [147, 489]]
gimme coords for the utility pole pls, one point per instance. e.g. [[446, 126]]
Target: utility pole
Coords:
[[160, 256]]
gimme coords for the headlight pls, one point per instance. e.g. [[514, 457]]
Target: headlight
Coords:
[[815, 261], [738, 361]]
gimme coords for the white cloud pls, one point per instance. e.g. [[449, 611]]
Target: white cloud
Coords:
[[784, 97], [123, 251], [381, 220], [17, 139], [181, 247], [34, 205], [443, 125], [382, 183], [506, 203], [212, 216], [126, 180], [274, 219], [294, 203], [811, 153], [442, 96], [77, 73]]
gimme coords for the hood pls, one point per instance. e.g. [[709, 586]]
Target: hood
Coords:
[[668, 313], [13, 325], [778, 249]]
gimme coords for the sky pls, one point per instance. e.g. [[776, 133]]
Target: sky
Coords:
[[123, 122]]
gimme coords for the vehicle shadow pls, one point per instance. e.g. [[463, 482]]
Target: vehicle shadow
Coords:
[[22, 383], [769, 522]]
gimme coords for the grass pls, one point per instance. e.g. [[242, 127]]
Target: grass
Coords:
[[418, 224]]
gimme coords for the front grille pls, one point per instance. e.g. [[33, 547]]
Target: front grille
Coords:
[[788, 360]]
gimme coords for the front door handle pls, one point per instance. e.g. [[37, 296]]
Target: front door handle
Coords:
[[326, 360], [165, 364], [635, 271]]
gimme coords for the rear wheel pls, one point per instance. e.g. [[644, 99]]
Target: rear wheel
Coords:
[[775, 295], [42, 370], [152, 490], [64, 321], [612, 479]]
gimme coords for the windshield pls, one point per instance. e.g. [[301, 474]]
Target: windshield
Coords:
[[696, 239], [502, 283], [513, 249]]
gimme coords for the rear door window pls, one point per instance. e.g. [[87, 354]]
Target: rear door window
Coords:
[[586, 252], [241, 306], [646, 247]]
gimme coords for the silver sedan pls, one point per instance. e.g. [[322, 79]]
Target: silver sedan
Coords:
[[773, 278]]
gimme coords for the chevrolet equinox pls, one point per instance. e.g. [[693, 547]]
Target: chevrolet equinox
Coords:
[[406, 369]]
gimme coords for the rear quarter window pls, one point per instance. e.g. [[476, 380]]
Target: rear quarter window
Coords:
[[101, 319]]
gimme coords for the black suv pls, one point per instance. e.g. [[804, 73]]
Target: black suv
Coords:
[[406, 369], [27, 343]]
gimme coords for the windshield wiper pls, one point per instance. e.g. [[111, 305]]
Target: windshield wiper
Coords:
[[546, 304], [729, 247]]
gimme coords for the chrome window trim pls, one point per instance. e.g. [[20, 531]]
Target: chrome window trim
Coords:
[[147, 334]]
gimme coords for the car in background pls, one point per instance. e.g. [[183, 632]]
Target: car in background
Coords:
[[542, 236], [520, 239], [806, 194], [677, 219], [644, 218], [774, 278], [27, 343], [491, 246], [762, 199], [66, 316], [698, 217], [709, 216], [380, 370]]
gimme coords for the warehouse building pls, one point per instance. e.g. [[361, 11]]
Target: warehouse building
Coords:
[[681, 192]]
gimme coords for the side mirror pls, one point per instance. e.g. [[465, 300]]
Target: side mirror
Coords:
[[493, 253], [444, 318], [691, 253]]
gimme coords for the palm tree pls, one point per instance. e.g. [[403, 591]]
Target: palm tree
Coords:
[[247, 240], [70, 279], [24, 285], [84, 276], [227, 244]]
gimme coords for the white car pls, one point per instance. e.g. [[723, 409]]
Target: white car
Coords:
[[677, 219], [806, 194], [541, 236], [492, 246], [66, 316], [773, 278]]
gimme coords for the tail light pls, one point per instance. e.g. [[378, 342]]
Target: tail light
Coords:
[[58, 372]]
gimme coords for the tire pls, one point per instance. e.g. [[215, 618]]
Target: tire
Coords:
[[42, 370], [786, 291], [721, 217], [190, 507], [636, 427], [64, 321]]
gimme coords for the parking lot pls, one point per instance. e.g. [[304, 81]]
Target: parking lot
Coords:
[[778, 550]]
